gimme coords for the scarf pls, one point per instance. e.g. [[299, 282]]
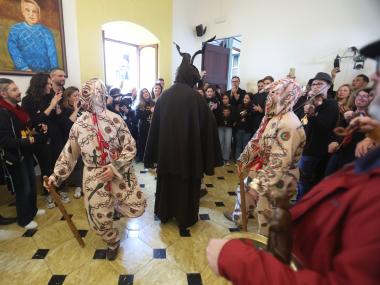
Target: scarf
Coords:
[[18, 111]]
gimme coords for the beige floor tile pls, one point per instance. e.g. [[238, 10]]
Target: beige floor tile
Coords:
[[133, 255], [188, 254], [159, 272], [68, 257], [14, 270], [159, 235], [22, 247], [53, 235], [99, 272]]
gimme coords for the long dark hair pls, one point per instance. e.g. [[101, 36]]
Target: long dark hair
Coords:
[[141, 103], [152, 93], [37, 86]]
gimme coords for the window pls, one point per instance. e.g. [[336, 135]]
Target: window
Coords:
[[129, 65]]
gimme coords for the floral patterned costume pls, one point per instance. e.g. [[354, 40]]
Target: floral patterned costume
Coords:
[[102, 139], [273, 153]]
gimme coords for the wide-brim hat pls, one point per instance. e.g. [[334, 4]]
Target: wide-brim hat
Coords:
[[323, 76], [371, 50]]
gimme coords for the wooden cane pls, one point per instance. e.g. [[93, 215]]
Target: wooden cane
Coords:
[[243, 207], [58, 202]]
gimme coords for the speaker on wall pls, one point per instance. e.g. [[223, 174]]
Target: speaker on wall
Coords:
[[200, 30]]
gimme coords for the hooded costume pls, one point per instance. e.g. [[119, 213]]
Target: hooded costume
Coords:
[[273, 153], [183, 141], [102, 138]]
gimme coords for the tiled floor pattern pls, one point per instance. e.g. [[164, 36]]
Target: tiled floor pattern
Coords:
[[150, 252]]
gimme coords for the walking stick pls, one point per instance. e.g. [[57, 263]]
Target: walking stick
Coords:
[[242, 204], [58, 202]]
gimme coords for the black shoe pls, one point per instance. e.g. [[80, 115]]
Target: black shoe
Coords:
[[7, 221], [112, 253], [116, 216], [203, 193]]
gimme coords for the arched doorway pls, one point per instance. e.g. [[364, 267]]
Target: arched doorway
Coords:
[[130, 56]]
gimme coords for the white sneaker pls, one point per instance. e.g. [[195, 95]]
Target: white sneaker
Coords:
[[64, 197], [31, 226], [50, 202], [78, 193], [40, 212]]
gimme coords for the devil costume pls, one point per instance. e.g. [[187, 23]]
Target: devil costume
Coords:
[[183, 141], [102, 138]]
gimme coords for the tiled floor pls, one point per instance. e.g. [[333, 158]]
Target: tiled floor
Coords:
[[151, 252]]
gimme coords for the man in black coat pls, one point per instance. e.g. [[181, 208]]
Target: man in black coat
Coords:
[[183, 141], [322, 116]]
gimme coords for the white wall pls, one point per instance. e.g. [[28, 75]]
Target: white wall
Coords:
[[72, 53], [277, 35], [184, 32]]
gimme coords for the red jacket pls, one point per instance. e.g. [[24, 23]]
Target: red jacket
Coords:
[[336, 235]]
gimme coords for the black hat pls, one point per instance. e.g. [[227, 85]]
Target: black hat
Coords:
[[372, 50], [323, 76]]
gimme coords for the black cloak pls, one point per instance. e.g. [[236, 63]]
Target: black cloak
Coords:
[[183, 141]]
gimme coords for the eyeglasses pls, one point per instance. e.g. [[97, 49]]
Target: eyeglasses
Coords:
[[317, 84], [235, 81]]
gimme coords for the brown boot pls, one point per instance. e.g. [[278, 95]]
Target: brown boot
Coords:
[[112, 253]]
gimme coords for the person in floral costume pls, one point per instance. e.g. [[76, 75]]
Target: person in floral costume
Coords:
[[107, 148], [272, 154]]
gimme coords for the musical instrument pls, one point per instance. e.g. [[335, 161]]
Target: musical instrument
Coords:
[[314, 102]]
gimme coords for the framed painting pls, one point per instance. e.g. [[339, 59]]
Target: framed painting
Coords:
[[32, 36]]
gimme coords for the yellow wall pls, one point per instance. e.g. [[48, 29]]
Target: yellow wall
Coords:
[[154, 15]]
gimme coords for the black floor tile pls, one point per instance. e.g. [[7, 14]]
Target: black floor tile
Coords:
[[204, 217], [100, 254], [194, 279], [184, 233], [83, 233], [40, 254], [234, 230], [57, 279], [142, 185], [125, 279], [209, 185], [219, 204], [232, 193], [159, 253], [29, 233], [220, 178], [63, 218]]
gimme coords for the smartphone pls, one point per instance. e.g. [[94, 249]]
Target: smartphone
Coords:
[[337, 63]]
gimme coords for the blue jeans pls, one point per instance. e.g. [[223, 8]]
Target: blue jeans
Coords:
[[242, 139], [225, 137], [310, 175]]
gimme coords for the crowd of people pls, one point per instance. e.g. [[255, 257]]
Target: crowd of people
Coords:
[[285, 137]]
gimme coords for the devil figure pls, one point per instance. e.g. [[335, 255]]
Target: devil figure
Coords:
[[183, 141]]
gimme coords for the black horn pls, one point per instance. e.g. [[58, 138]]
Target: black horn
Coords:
[[201, 51]]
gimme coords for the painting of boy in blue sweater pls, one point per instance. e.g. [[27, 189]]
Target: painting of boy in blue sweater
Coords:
[[31, 45]]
